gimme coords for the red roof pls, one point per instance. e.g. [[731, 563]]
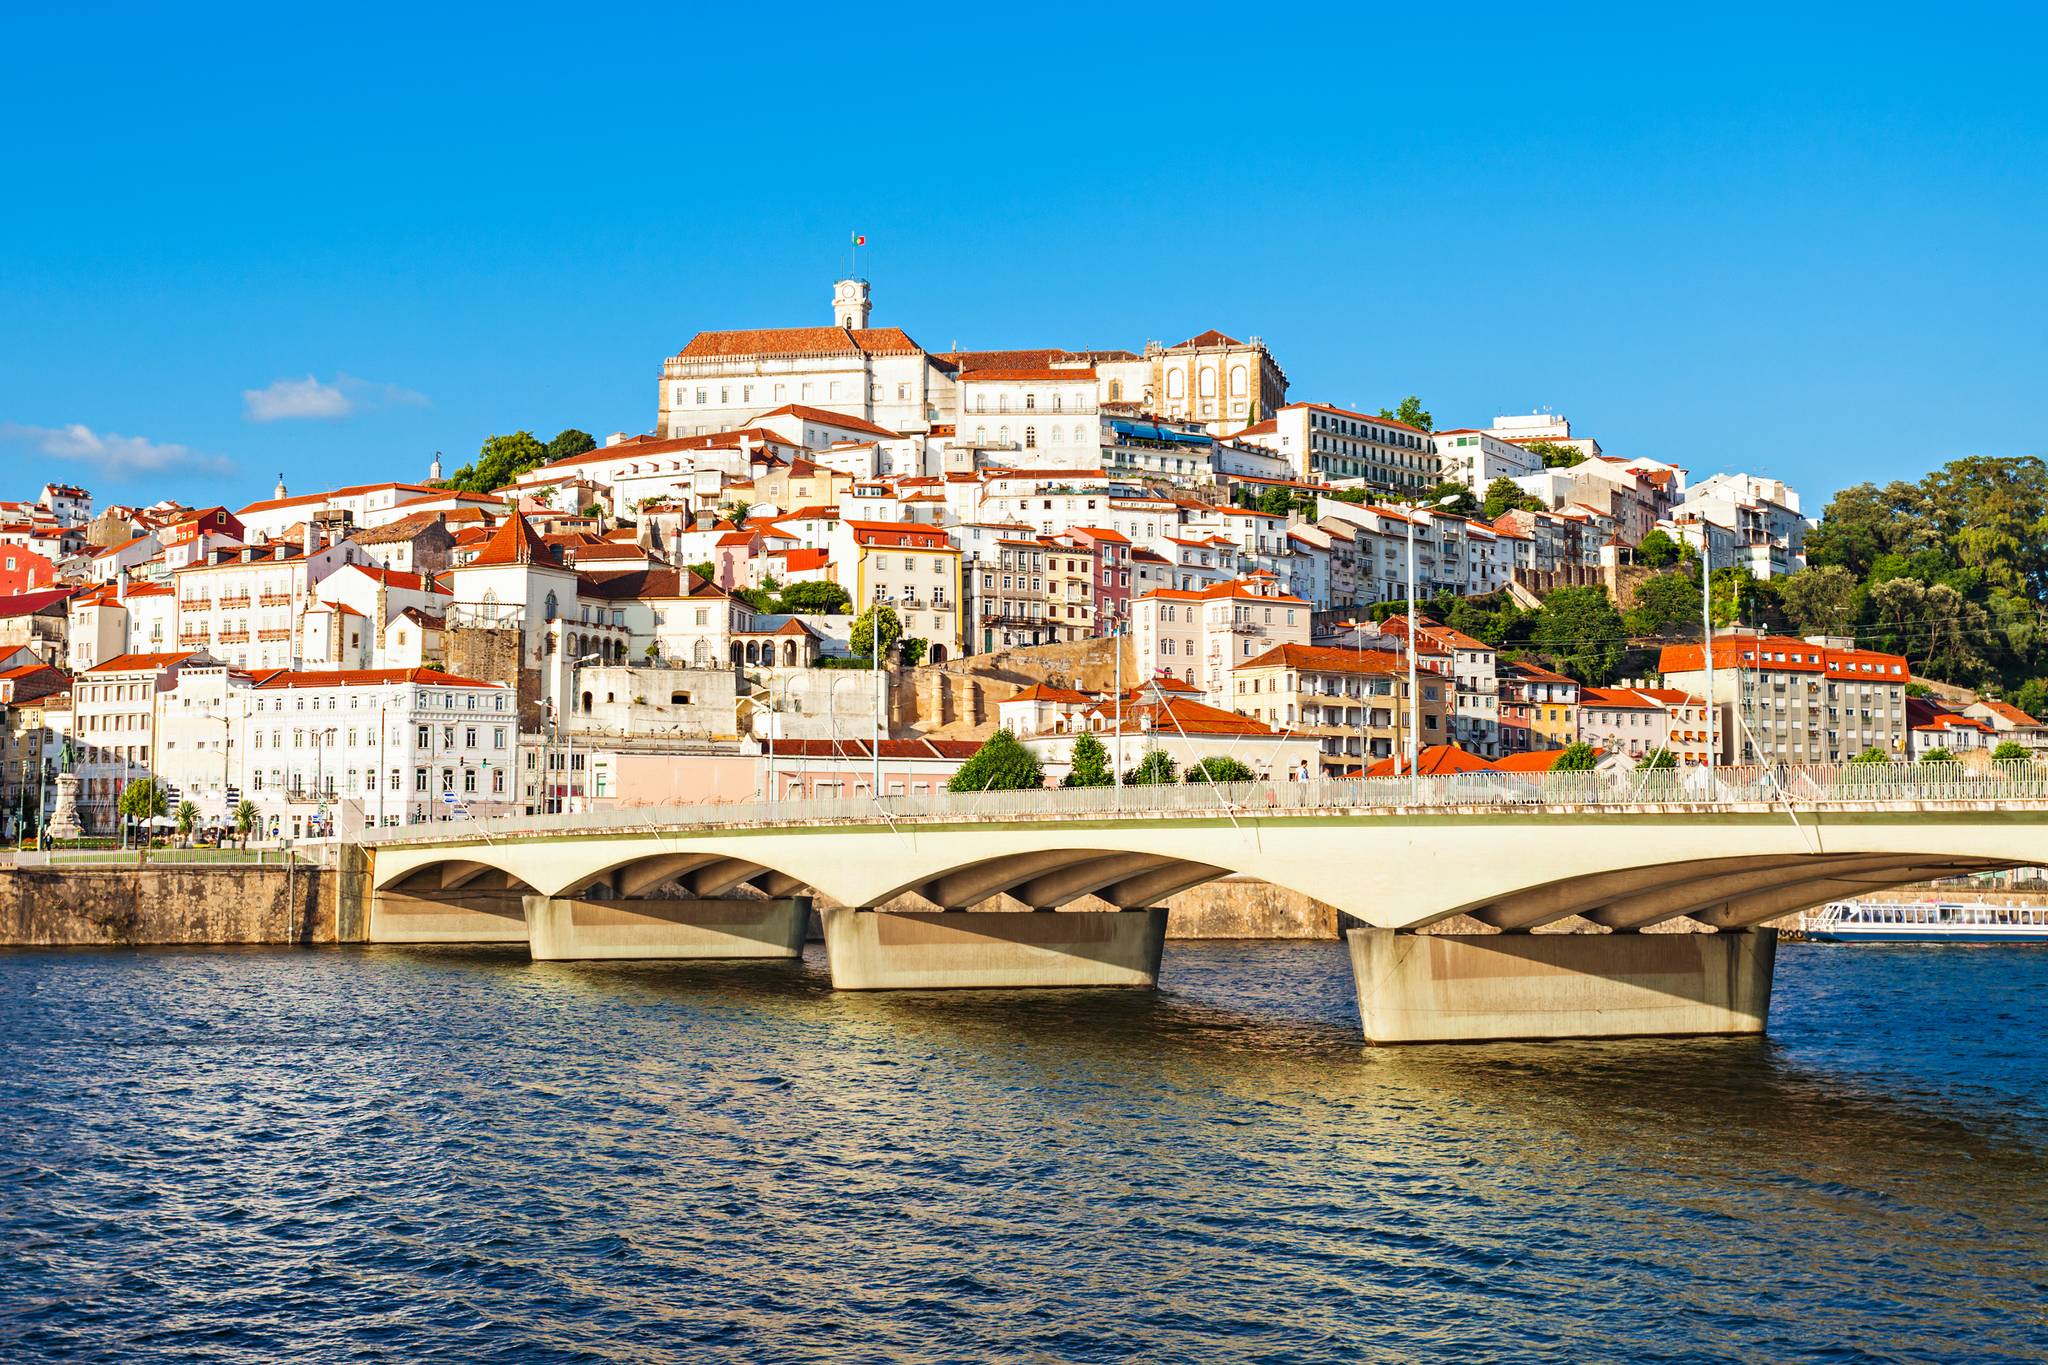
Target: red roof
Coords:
[[2007, 712], [369, 677], [1324, 658], [1079, 373], [1042, 692], [1237, 588], [514, 542], [800, 341], [1434, 761], [1749, 652], [1178, 715], [1212, 337], [800, 560], [1536, 761], [134, 663], [911, 534], [824, 418]]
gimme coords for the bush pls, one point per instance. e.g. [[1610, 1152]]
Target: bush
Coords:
[[1937, 755], [1090, 764], [1576, 758], [1217, 768], [1155, 769], [1658, 760], [2011, 751], [1001, 764], [1872, 755]]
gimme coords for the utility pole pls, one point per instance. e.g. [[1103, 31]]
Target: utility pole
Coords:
[[1116, 764], [1707, 625], [1413, 691]]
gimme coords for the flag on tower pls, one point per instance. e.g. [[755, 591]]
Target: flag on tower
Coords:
[[859, 240]]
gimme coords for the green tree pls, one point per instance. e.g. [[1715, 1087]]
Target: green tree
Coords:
[[760, 599], [143, 800], [1090, 764], [1556, 456], [817, 598], [1657, 550], [1937, 755], [569, 441], [500, 460], [1412, 412], [864, 630], [593, 509], [1820, 601], [1582, 634], [1155, 769], [1657, 760], [1218, 768], [736, 511], [1000, 764], [188, 820], [2032, 697], [1452, 497], [1872, 755], [703, 568], [1577, 757], [1667, 607], [911, 650], [2011, 751], [1504, 495]]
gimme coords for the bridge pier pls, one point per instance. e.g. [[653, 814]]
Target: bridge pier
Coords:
[[470, 915], [872, 950], [1432, 988], [559, 929]]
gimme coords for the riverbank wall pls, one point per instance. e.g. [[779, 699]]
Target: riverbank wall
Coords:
[[134, 906], [103, 907]]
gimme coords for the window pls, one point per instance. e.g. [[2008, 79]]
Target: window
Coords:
[[419, 779], [1031, 438]]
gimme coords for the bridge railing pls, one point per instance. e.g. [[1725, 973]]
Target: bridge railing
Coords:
[[1791, 788]]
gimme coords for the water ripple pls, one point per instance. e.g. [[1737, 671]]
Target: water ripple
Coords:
[[461, 1155]]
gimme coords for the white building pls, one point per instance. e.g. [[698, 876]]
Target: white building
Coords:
[[720, 380], [1325, 444], [1476, 458], [331, 753], [1548, 428], [1766, 532], [249, 606]]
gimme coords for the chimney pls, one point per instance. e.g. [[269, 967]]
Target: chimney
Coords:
[[121, 584], [312, 537], [616, 438], [383, 614]]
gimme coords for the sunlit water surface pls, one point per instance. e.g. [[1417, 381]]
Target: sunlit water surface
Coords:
[[460, 1155]]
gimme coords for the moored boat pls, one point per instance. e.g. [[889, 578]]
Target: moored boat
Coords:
[[1931, 921]]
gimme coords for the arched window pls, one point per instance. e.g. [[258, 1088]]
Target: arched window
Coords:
[[1002, 436], [1116, 390], [1176, 383], [1030, 402], [981, 402], [1002, 402], [1080, 435], [1206, 382], [981, 436], [1031, 438], [1055, 434], [700, 654], [1238, 380], [1058, 400]]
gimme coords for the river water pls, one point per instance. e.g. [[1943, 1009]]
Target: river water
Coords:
[[459, 1155]]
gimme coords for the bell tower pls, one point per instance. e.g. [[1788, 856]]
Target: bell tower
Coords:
[[850, 304]]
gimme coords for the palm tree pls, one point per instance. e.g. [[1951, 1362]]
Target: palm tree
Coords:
[[245, 820], [188, 816]]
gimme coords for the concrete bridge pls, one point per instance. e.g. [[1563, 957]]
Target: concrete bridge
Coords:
[[1515, 853]]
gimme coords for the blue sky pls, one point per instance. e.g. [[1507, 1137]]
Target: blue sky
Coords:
[[1809, 247]]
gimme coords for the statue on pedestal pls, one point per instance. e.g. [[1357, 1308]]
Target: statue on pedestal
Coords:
[[64, 821]]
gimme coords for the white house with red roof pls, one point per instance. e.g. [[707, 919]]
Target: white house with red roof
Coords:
[[910, 566], [723, 379], [1475, 458], [1328, 444]]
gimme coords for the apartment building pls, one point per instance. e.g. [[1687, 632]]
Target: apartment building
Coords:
[[114, 725], [334, 752], [1538, 709], [1476, 458], [1200, 636], [909, 566], [1638, 721], [1325, 444], [1355, 703], [1779, 699]]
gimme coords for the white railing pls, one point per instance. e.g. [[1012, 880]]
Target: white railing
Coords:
[[1848, 785]]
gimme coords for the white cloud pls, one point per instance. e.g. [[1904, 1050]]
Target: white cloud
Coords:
[[114, 455], [288, 400]]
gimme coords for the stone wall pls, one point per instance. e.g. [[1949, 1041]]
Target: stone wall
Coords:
[[102, 907]]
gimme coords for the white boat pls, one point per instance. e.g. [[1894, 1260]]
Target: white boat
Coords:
[[1927, 922]]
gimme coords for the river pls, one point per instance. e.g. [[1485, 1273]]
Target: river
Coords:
[[421, 1154]]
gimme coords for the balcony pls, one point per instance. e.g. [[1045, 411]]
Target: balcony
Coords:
[[275, 599], [238, 601], [195, 604], [234, 637], [273, 636]]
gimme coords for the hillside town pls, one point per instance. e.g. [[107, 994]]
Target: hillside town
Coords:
[[1163, 549]]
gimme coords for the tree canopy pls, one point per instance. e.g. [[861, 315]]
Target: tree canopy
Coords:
[[864, 630], [1090, 764], [1581, 633], [1577, 757], [502, 459], [1504, 495], [1155, 769], [143, 799], [1219, 768], [1555, 455], [821, 598], [1000, 764], [1410, 411]]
